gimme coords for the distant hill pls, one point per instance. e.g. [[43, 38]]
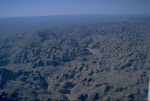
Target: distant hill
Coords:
[[16, 25]]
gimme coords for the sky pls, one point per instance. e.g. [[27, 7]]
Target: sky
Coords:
[[15, 8]]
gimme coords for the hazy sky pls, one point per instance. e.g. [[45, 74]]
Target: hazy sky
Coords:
[[10, 8]]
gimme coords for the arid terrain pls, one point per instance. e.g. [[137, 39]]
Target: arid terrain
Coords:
[[107, 61]]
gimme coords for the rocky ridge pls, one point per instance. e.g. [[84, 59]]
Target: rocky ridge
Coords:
[[56, 63]]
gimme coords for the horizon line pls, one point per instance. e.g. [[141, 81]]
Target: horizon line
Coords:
[[148, 15]]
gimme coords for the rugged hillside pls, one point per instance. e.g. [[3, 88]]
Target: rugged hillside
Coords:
[[106, 61]]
